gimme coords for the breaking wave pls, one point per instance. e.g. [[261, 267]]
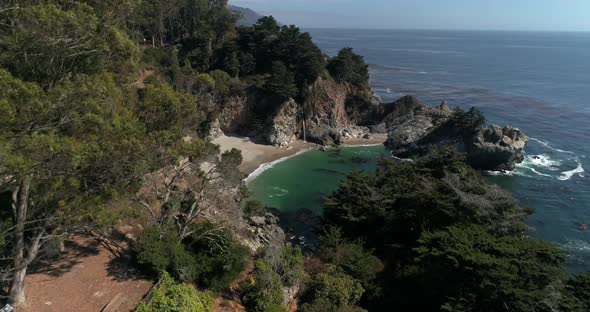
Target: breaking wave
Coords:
[[566, 175]]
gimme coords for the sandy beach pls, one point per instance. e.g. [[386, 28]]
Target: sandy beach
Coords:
[[256, 155]]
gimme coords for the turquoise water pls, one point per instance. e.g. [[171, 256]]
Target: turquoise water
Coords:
[[299, 184], [539, 82]]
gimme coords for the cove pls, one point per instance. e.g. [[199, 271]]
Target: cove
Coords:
[[295, 188]]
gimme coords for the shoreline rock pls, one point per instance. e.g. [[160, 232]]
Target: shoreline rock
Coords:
[[414, 129]]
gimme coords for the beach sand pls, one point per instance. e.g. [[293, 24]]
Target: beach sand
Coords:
[[255, 154]]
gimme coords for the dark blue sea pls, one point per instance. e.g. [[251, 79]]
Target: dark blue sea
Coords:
[[538, 82]]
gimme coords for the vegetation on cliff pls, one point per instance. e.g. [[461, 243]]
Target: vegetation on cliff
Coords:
[[449, 241], [106, 104]]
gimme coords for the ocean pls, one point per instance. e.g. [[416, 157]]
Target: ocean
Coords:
[[538, 82]]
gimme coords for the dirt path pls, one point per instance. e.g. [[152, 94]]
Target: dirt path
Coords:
[[86, 278]]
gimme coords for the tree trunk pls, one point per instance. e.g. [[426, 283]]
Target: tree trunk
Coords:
[[17, 296], [19, 207]]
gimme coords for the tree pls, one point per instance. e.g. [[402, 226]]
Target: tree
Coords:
[[281, 82], [403, 200], [350, 258], [57, 151], [467, 268], [577, 293], [349, 66], [45, 44]]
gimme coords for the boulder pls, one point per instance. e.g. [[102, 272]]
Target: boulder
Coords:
[[257, 221], [496, 148]]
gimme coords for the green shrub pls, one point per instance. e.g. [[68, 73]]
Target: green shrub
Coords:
[[350, 258], [219, 257], [254, 208], [337, 288], [210, 257], [266, 292], [172, 297], [156, 253]]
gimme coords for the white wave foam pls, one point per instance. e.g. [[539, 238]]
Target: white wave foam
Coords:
[[269, 165], [576, 245], [499, 173], [566, 175], [542, 161], [280, 192], [548, 145]]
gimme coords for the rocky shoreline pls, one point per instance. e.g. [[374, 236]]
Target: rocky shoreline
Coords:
[[337, 113]]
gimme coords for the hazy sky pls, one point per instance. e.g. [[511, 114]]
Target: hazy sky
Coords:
[[427, 14]]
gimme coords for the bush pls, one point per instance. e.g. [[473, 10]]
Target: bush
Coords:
[[225, 85], [210, 257], [350, 258], [350, 67], [172, 297], [254, 208], [337, 288], [219, 257], [157, 253], [266, 293]]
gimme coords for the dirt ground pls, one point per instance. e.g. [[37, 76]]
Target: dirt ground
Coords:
[[86, 278]]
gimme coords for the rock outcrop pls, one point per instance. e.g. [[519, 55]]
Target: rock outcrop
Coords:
[[284, 128], [331, 109], [266, 231], [414, 129]]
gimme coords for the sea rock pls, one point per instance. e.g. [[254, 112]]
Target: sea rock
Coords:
[[414, 129], [496, 148]]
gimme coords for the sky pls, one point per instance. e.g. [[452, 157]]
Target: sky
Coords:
[[525, 15]]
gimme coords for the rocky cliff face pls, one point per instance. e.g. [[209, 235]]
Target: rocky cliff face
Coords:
[[331, 109], [414, 129], [284, 127]]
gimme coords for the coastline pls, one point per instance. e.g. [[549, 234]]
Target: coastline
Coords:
[[259, 157]]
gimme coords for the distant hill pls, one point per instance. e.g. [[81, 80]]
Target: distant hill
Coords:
[[247, 16]]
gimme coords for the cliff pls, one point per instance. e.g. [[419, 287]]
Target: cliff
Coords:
[[331, 110]]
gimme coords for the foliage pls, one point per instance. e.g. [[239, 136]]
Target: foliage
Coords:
[[172, 297], [349, 66], [407, 198], [468, 121], [46, 44], [157, 252], [337, 289], [254, 208], [467, 268], [449, 240], [266, 293], [219, 257], [577, 293], [350, 258], [285, 53], [209, 257], [166, 111], [281, 82], [225, 85]]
